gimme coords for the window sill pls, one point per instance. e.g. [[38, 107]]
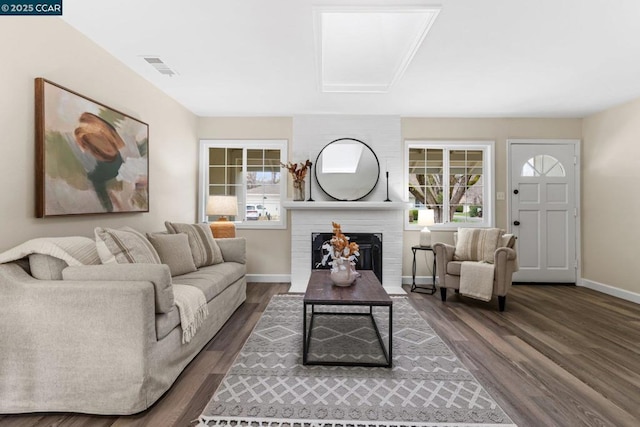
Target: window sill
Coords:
[[260, 225], [447, 227]]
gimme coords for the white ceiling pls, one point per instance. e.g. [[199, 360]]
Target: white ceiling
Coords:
[[489, 58]]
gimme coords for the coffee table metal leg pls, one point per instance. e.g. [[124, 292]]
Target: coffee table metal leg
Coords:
[[390, 335], [304, 334], [386, 353]]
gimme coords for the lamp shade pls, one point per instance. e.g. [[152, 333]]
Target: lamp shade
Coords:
[[426, 217], [222, 205]]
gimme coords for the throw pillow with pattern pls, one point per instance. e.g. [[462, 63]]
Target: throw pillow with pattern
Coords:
[[124, 246], [477, 244]]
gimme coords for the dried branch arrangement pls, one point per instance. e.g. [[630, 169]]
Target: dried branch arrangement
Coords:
[[298, 171]]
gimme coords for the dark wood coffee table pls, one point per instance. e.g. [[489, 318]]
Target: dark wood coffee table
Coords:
[[366, 291]]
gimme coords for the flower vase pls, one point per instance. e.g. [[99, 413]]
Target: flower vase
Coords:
[[345, 277], [298, 190]]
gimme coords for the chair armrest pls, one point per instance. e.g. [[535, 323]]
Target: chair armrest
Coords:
[[444, 255], [505, 254], [158, 274], [506, 263], [233, 249], [445, 251]]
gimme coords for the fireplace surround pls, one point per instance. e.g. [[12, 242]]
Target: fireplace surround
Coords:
[[385, 218]]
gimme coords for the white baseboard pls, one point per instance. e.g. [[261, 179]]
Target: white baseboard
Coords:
[[269, 278], [610, 290]]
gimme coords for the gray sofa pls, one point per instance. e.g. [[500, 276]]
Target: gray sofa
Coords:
[[106, 339]]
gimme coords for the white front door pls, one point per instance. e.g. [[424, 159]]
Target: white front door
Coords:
[[543, 209]]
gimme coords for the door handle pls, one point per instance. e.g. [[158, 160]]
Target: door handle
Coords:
[[516, 222], [515, 191]]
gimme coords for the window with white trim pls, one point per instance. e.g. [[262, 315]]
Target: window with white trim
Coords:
[[249, 170], [454, 178]]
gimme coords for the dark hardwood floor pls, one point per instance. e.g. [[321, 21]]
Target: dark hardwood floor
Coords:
[[558, 356]]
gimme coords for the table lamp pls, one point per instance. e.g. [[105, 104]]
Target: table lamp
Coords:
[[426, 217], [223, 206]]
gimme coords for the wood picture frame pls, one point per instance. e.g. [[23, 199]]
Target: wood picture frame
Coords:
[[90, 158]]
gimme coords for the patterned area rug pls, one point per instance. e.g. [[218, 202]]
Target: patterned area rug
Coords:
[[427, 386]]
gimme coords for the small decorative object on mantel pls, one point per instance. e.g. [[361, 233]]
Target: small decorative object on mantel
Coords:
[[387, 199], [343, 257], [310, 199], [298, 172]]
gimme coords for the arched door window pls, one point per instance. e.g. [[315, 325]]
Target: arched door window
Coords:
[[543, 165]]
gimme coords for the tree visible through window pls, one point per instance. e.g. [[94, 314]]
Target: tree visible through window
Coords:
[[451, 180]]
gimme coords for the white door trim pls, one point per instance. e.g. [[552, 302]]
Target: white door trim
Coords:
[[577, 150]]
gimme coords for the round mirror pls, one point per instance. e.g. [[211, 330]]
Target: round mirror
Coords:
[[347, 169]]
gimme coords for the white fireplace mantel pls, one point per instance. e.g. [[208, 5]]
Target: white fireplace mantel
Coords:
[[338, 205]]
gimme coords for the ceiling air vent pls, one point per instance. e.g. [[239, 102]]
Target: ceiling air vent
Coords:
[[160, 66]]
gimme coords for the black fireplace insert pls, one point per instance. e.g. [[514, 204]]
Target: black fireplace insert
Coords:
[[370, 251]]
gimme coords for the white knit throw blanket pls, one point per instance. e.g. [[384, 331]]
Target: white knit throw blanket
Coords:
[[476, 280], [75, 250], [192, 306]]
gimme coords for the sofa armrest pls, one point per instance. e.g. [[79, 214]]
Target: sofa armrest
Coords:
[[158, 274], [70, 338], [233, 249]]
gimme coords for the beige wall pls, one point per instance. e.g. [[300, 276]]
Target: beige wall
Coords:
[[50, 48], [268, 251], [610, 201], [498, 130]]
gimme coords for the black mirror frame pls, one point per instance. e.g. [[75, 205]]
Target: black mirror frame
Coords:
[[329, 194]]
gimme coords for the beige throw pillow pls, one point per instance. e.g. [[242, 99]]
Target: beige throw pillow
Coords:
[[477, 244], [174, 251], [204, 249], [124, 246]]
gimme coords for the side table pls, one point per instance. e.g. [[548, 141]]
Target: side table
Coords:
[[424, 289]]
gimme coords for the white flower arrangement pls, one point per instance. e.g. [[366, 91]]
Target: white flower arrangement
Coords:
[[343, 253]]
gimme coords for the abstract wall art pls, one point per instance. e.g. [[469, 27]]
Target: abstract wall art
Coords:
[[90, 158]]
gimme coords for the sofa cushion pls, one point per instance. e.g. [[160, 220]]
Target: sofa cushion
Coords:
[[213, 279], [174, 251], [124, 246], [46, 267], [477, 244], [204, 249]]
